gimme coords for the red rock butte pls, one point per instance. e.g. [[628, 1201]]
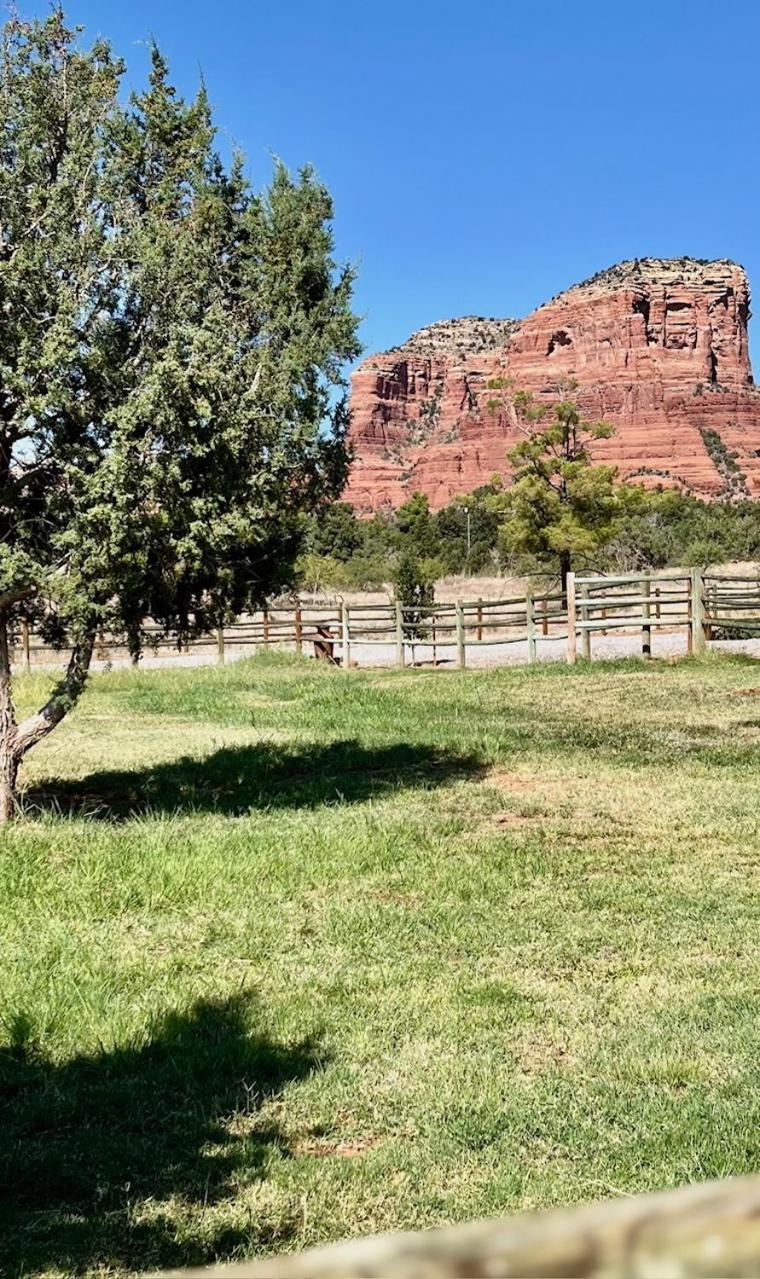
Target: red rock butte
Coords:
[[658, 349]]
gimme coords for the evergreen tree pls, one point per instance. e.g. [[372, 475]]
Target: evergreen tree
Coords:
[[560, 505], [466, 532], [414, 590], [416, 526], [171, 365], [335, 532]]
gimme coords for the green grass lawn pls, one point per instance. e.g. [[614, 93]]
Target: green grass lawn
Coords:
[[291, 954]]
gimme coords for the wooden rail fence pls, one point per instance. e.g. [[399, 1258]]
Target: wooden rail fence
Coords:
[[705, 606]]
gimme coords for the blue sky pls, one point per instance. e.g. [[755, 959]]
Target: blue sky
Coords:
[[482, 155]]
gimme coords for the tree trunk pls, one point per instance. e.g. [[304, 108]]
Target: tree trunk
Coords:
[[8, 755], [565, 565], [17, 739], [65, 694], [8, 776]]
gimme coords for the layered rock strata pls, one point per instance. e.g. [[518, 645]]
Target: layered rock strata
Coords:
[[657, 347]]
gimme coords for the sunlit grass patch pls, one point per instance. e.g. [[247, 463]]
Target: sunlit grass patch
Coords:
[[292, 953]]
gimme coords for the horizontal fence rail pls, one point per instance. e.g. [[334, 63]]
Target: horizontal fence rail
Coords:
[[632, 602], [731, 606], [705, 606]]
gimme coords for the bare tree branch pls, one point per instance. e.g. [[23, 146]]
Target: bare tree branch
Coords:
[[15, 597]]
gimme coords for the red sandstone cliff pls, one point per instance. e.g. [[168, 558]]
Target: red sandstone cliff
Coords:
[[658, 348]]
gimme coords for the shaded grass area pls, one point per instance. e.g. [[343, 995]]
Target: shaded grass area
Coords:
[[235, 779], [98, 1136], [291, 954]]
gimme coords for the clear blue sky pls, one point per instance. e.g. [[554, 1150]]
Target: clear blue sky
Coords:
[[482, 155]]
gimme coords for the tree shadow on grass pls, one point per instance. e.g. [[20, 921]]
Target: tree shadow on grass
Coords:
[[91, 1149], [236, 779]]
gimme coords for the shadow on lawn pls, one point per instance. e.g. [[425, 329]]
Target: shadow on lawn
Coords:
[[90, 1148], [235, 779]]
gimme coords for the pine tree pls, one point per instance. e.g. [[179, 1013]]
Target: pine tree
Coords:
[[559, 505], [171, 365]]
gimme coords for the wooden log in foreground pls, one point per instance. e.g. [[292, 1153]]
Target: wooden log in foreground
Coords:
[[698, 1232]]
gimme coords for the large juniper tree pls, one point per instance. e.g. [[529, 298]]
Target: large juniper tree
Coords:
[[171, 352]]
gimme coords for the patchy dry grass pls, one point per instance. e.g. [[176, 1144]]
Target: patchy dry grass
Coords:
[[291, 954]]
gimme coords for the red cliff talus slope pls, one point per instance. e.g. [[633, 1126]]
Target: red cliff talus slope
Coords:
[[658, 348]]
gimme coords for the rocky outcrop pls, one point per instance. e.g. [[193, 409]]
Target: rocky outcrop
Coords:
[[657, 347], [469, 335]]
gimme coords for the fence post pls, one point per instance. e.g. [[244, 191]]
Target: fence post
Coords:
[[530, 617], [646, 613], [345, 631], [585, 633], [265, 625], [697, 612], [710, 611], [689, 632], [657, 612], [461, 651], [220, 646], [299, 628], [572, 636], [479, 630], [25, 647], [545, 618], [399, 635]]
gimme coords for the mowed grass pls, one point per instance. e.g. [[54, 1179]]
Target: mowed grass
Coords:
[[291, 954]]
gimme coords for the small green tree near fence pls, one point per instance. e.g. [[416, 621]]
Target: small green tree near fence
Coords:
[[414, 591], [560, 505], [171, 347]]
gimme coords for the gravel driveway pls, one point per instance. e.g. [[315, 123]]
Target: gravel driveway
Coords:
[[479, 656]]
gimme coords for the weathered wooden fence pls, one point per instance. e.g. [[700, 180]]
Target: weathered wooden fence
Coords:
[[702, 606], [455, 626], [635, 601], [707, 606]]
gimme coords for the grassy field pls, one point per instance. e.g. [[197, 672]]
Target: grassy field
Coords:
[[290, 953]]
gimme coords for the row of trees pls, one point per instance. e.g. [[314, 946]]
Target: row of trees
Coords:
[[559, 510]]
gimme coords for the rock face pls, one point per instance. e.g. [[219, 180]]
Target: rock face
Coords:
[[658, 348]]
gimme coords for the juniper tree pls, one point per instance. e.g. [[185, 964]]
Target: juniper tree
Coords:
[[171, 390], [416, 525], [414, 591]]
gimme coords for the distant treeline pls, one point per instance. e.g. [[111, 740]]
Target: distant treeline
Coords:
[[665, 528]]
